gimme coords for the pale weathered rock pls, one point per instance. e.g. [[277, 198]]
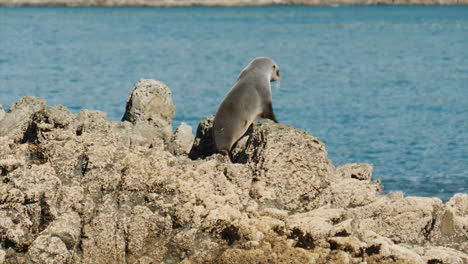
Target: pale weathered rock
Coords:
[[29, 196], [273, 151], [11, 156], [442, 255], [360, 171], [59, 116], [81, 189], [348, 192], [317, 223], [182, 140], [16, 122], [451, 227], [380, 249], [402, 219], [104, 236], [148, 234], [151, 103], [49, 250], [349, 244], [290, 162], [67, 227]]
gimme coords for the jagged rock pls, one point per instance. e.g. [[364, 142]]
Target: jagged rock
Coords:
[[290, 162], [77, 188], [59, 116], [104, 237], [12, 156], [150, 107], [348, 193], [360, 171], [148, 234], [351, 245], [441, 255], [351, 188], [451, 227], [182, 140], [401, 219], [67, 227], [48, 249], [383, 250], [150, 101], [203, 145], [16, 122], [317, 224], [273, 151]]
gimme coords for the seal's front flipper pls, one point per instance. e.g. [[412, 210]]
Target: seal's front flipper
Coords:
[[226, 154], [269, 113]]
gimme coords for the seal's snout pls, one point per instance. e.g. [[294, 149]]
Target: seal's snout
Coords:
[[276, 76]]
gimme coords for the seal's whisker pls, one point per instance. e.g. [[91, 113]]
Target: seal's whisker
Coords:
[[277, 85]]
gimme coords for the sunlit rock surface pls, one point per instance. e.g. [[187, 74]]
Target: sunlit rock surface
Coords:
[[77, 188]]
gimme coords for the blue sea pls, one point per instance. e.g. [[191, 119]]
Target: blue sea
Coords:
[[386, 85]]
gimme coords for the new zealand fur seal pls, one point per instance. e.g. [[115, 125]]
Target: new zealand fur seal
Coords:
[[248, 100]]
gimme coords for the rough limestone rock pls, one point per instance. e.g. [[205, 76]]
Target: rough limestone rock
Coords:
[[441, 255], [150, 108], [360, 171], [182, 140], [77, 188], [281, 158], [15, 123], [452, 224], [48, 249], [402, 219], [293, 164], [203, 145]]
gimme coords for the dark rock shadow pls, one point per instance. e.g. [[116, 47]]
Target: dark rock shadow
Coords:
[[203, 145]]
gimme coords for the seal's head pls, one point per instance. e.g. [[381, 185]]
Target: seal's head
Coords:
[[263, 65]]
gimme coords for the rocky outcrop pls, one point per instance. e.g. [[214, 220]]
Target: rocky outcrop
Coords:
[[224, 2], [77, 188], [150, 109]]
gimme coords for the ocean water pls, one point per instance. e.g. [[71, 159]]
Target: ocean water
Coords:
[[387, 85]]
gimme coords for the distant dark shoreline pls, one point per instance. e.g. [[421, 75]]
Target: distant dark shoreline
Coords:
[[226, 3]]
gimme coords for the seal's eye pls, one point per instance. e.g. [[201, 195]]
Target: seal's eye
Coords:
[[274, 66]]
